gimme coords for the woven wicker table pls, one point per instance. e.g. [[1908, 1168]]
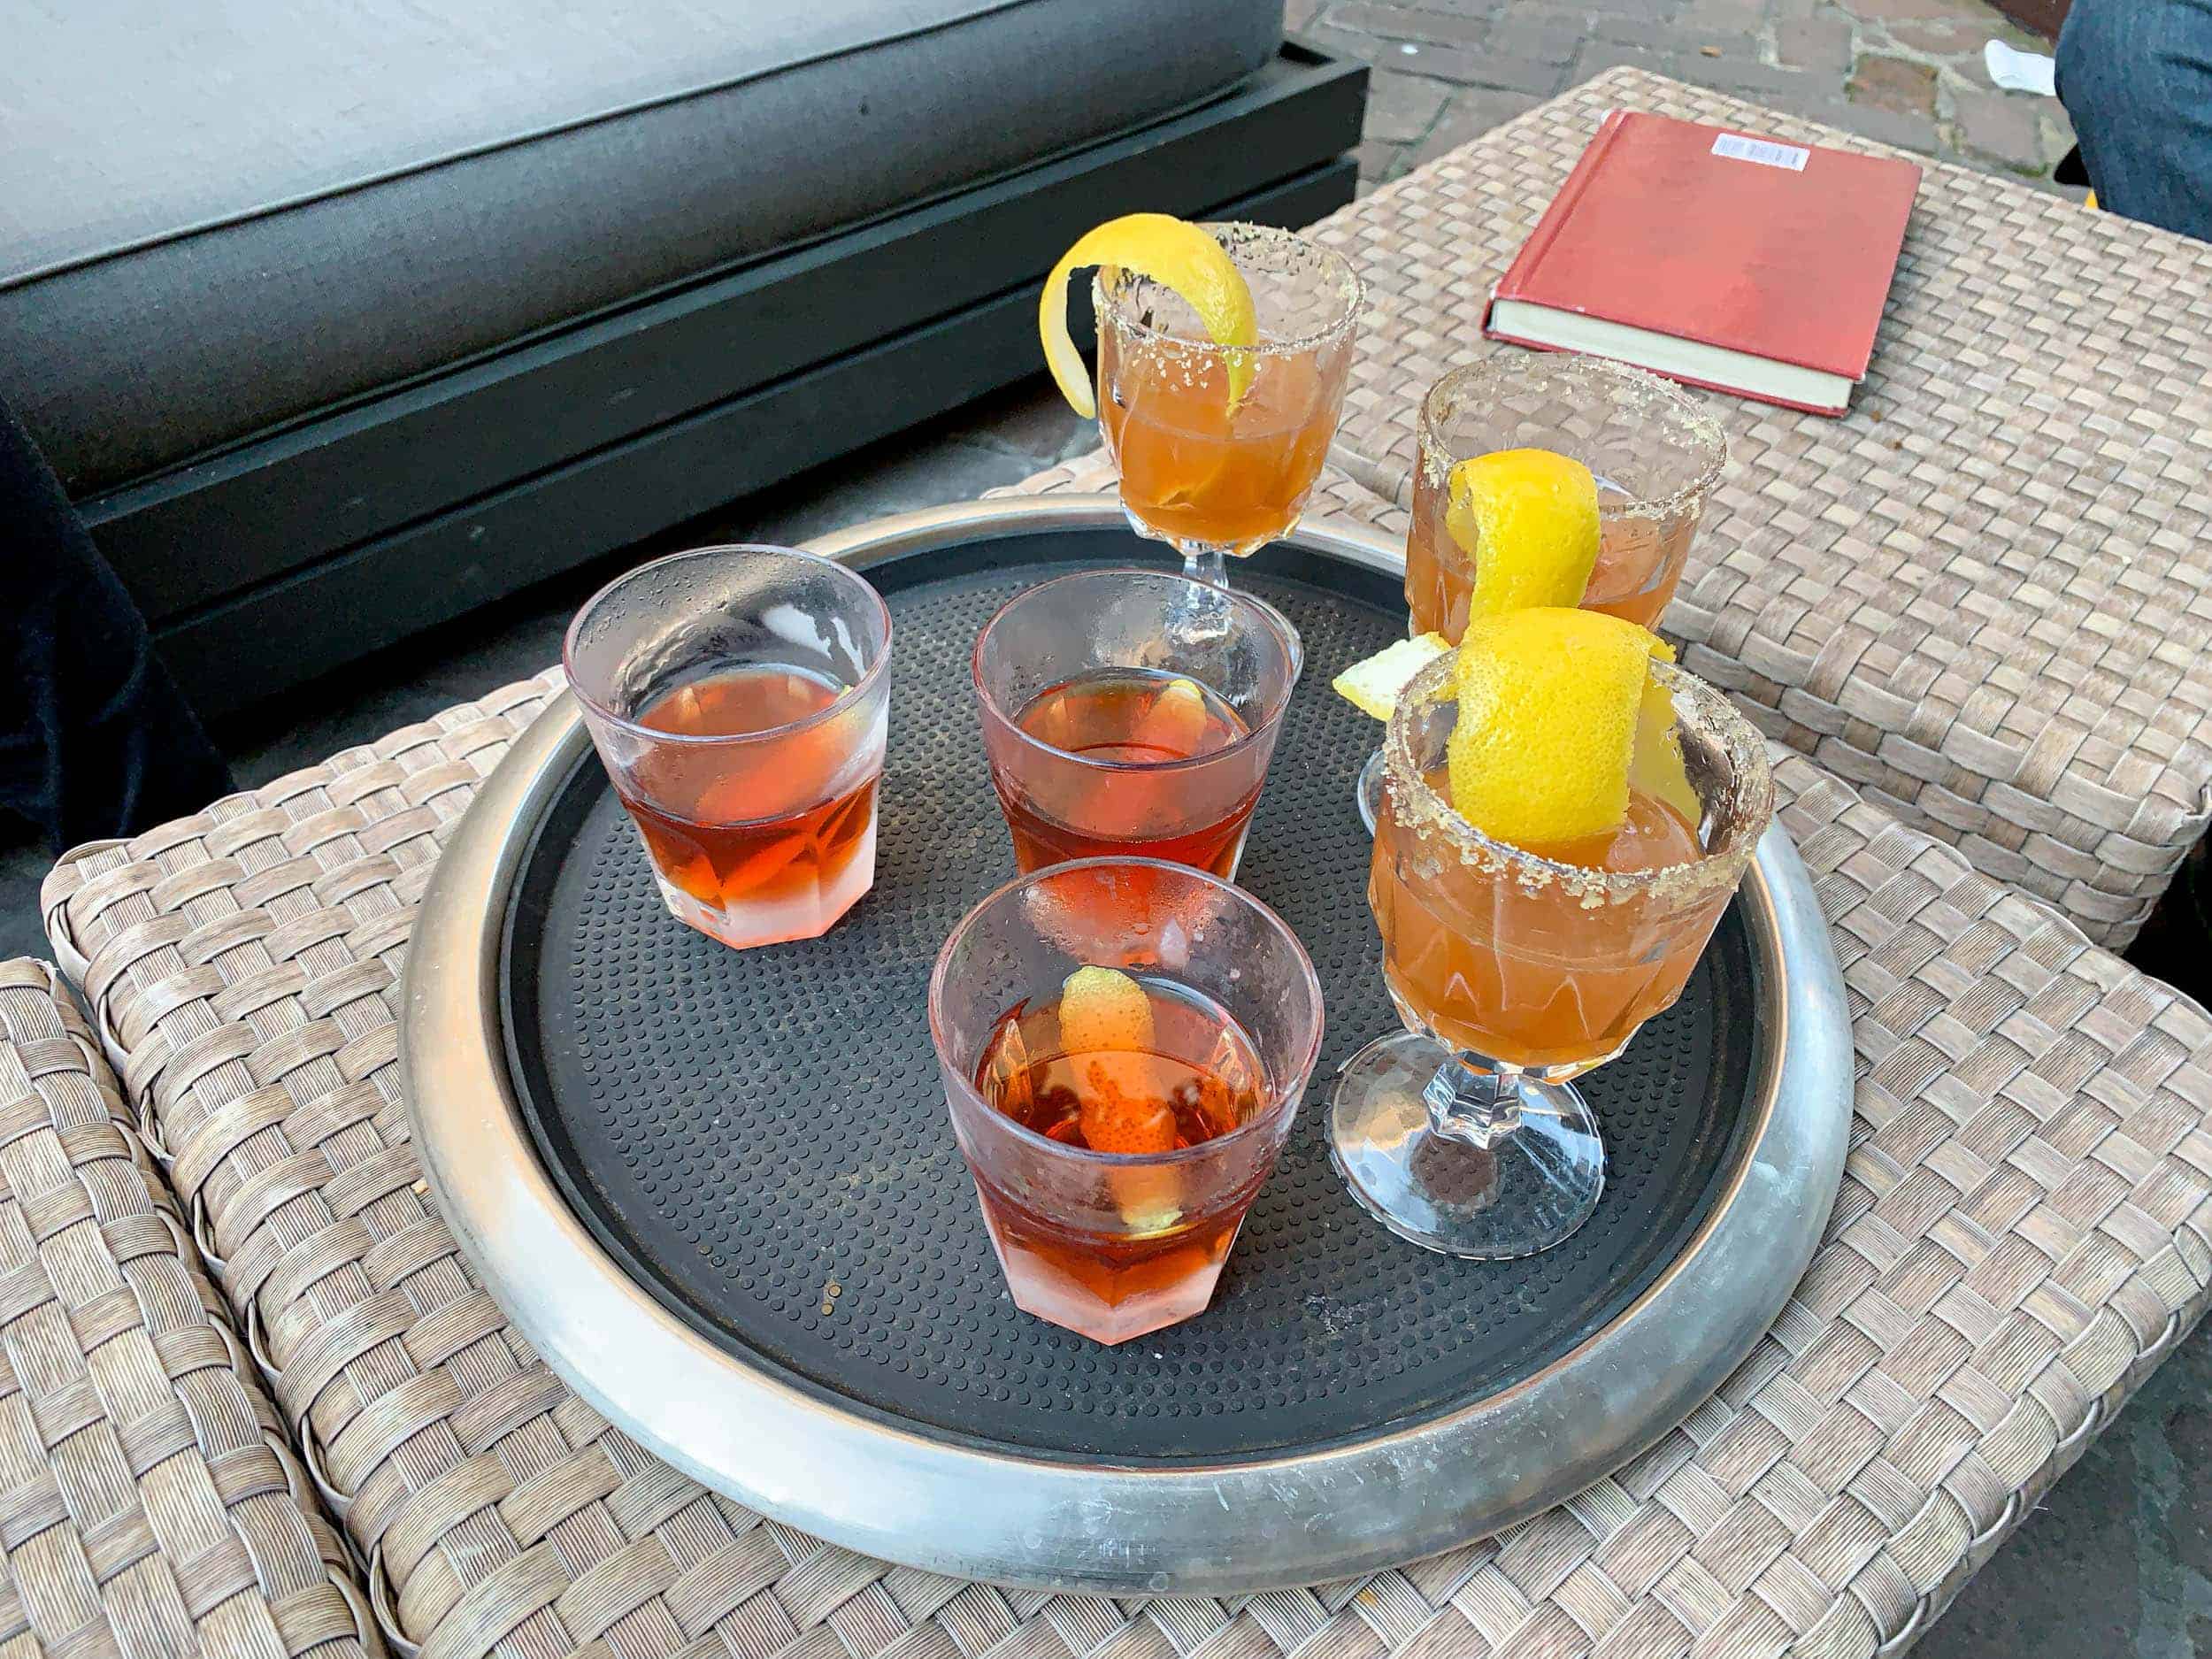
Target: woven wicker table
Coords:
[[1982, 596], [2024, 1231], [153, 1507]]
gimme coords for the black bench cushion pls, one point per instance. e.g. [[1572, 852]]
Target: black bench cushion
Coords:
[[245, 213]]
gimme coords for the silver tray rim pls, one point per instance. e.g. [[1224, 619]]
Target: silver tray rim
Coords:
[[1211, 1529]]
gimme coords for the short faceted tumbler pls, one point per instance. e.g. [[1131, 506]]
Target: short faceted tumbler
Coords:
[[1515, 974], [1132, 713], [1113, 1244], [738, 698]]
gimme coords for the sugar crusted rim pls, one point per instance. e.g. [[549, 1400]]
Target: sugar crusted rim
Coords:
[[1746, 799], [1653, 393], [1111, 303]]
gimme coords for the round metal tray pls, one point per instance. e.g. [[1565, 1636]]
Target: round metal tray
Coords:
[[718, 1192]]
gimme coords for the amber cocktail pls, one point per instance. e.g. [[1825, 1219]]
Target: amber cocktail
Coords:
[[1132, 713], [1210, 475], [737, 697], [1517, 969], [1654, 454], [1115, 1153]]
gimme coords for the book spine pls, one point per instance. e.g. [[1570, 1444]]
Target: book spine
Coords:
[[1547, 229]]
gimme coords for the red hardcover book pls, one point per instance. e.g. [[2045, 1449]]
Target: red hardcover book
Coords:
[[1715, 256]]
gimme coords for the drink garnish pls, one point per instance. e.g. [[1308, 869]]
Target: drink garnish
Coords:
[[1176, 722], [1103, 1009], [1550, 705], [1106, 1031], [1527, 520], [1655, 767], [1165, 250], [1374, 685], [1106, 1028], [1533, 515], [1558, 711], [1114, 1119]]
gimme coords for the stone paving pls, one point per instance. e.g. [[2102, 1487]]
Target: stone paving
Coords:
[[1909, 72]]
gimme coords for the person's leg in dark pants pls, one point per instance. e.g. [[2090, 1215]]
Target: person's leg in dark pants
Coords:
[[2136, 76], [94, 738]]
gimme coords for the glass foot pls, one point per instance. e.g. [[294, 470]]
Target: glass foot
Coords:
[[1486, 1167], [1368, 790]]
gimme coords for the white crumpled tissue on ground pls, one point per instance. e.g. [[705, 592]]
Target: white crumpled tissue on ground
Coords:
[[2021, 72]]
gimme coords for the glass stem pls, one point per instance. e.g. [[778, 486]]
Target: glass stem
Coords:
[[1471, 1101], [1202, 563], [1201, 619]]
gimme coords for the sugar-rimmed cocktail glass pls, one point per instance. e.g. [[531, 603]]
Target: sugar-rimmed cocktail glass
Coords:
[[1210, 477], [1113, 1245], [1515, 974], [737, 696], [1655, 453], [1094, 747]]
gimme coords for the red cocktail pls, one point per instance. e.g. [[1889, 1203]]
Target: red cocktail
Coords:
[[1132, 713], [1128, 719], [1200, 1078], [1123, 1044], [778, 842], [737, 697]]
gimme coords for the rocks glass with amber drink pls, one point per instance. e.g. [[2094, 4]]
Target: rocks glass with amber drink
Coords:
[[1211, 473], [1132, 713], [737, 696], [1124, 1044], [1518, 969]]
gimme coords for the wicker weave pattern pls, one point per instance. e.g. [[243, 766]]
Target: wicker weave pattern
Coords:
[[1981, 595], [2022, 1233], [150, 1506]]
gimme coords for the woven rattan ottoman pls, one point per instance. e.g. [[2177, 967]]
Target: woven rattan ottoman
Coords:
[[2024, 1231], [152, 1506], [1982, 596]]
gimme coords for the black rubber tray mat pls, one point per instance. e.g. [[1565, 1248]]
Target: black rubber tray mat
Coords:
[[760, 1137]]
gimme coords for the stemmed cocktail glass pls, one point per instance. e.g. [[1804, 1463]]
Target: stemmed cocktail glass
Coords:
[[1655, 453], [1212, 474], [1515, 974]]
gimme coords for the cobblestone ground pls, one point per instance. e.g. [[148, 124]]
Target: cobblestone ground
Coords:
[[1906, 72]]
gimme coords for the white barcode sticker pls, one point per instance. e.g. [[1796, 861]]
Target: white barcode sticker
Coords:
[[1765, 152]]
